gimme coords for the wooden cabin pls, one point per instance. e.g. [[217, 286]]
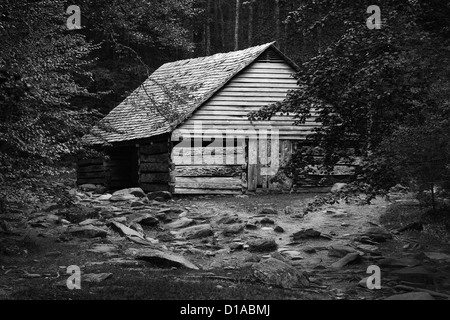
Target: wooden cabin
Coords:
[[186, 129]]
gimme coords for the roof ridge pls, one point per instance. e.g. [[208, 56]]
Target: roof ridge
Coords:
[[219, 54]]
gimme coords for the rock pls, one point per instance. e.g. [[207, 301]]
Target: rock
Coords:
[[88, 187], [165, 237], [164, 259], [338, 187], [289, 210], [236, 246], [103, 248], [88, 222], [136, 226], [278, 273], [164, 195], [125, 197], [309, 250], [145, 219], [370, 249], [162, 216], [411, 296], [262, 245], [306, 234], [137, 204], [252, 258], [251, 225], [438, 256], [125, 231], [88, 232], [398, 262], [180, 223], [160, 199], [278, 229], [419, 275], [233, 229], [377, 234], [104, 197], [228, 220], [292, 254], [417, 226], [346, 260], [266, 221], [340, 251], [196, 232], [95, 277], [268, 211], [101, 190], [137, 192]]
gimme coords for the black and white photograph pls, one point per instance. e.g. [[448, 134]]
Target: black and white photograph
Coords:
[[234, 157]]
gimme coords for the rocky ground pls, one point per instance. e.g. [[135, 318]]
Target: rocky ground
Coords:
[[132, 245]]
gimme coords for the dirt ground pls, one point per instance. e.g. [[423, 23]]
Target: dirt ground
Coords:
[[36, 250]]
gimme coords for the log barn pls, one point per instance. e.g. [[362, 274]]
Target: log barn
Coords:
[[186, 129]]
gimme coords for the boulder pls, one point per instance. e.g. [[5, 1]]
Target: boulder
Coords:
[[137, 192], [196, 232], [278, 273], [306, 234], [262, 245], [233, 229], [351, 257], [164, 259], [164, 195], [338, 187], [418, 275], [266, 221], [398, 262], [88, 232], [180, 223], [289, 210], [88, 187], [411, 296], [95, 277], [268, 211], [278, 229], [125, 197], [228, 220], [340, 251], [377, 234], [145, 219]]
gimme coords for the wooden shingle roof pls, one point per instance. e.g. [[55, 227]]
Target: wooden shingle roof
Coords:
[[175, 88]]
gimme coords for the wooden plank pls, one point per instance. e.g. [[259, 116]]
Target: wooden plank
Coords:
[[91, 175], [238, 93], [265, 80], [91, 168], [250, 91], [255, 75], [155, 158], [207, 171], [252, 176], [155, 178], [154, 149], [154, 167], [147, 187], [90, 181], [290, 85], [205, 191], [209, 183]]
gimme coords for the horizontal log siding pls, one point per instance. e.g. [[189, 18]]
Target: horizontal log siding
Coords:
[[154, 166], [262, 83]]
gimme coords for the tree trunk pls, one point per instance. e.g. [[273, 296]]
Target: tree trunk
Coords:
[[236, 29], [250, 22], [208, 27], [433, 198], [222, 25], [277, 21]]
